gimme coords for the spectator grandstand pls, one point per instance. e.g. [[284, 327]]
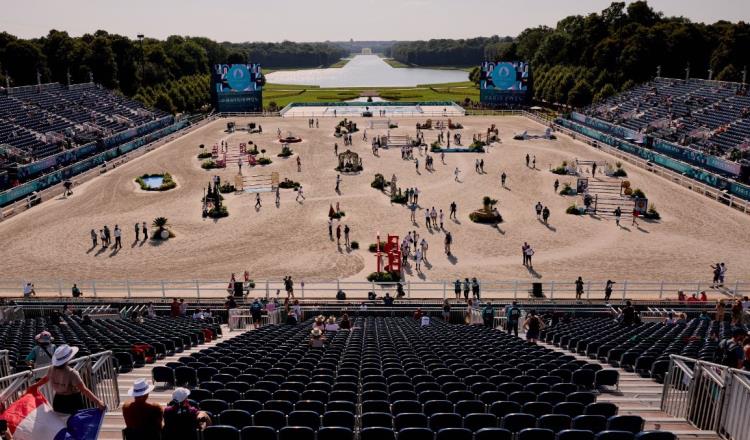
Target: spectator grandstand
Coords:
[[37, 122], [710, 116]]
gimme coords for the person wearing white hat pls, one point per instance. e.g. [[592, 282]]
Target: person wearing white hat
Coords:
[[142, 417], [67, 384], [181, 419], [41, 355]]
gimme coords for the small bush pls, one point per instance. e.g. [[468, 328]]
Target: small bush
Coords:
[[652, 213], [355, 245], [435, 147], [285, 151], [374, 247], [485, 217], [218, 213], [384, 277], [566, 190], [264, 161], [227, 188], [287, 184], [338, 215], [573, 210], [562, 169], [254, 151], [637, 193], [209, 165], [399, 198], [619, 172], [204, 155], [379, 182]]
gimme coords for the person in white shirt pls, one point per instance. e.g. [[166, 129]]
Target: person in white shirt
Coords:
[[28, 290], [331, 325]]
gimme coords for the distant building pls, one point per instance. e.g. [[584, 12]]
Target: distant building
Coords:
[[366, 51]]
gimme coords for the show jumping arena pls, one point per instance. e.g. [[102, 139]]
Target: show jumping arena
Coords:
[[390, 109], [50, 245]]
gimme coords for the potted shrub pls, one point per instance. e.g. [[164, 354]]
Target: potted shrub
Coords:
[[379, 182], [162, 232]]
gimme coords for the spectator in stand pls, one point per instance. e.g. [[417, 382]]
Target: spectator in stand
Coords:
[[41, 355], [28, 290], [67, 385], [746, 348], [345, 323], [628, 314], [532, 325], [181, 419], [230, 303], [143, 419], [150, 310], [317, 340], [183, 307], [75, 291], [681, 296], [737, 313], [174, 308], [331, 326], [387, 299], [693, 298], [703, 297], [418, 314], [746, 310], [730, 352], [446, 311], [719, 311]]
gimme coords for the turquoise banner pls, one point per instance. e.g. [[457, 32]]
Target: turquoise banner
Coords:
[[68, 172], [701, 175]]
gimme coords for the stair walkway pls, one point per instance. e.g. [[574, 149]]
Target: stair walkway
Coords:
[[113, 422], [606, 194], [642, 396]]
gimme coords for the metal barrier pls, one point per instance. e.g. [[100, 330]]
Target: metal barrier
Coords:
[[97, 371], [4, 363], [490, 289], [709, 396], [10, 314]]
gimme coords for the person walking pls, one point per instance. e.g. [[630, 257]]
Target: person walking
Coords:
[[413, 214], [300, 194], [330, 228], [67, 385], [532, 325], [338, 234], [118, 238], [441, 215], [457, 288], [448, 241], [527, 160], [481, 166], [545, 214], [533, 162], [453, 211], [635, 217], [556, 185], [579, 288], [145, 231], [346, 235], [41, 355], [427, 218], [257, 201], [423, 245], [502, 179], [299, 164], [335, 149], [456, 173], [608, 290], [418, 260], [93, 238], [618, 214], [538, 207], [338, 182]]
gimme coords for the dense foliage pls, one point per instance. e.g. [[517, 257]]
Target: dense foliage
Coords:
[[589, 58], [172, 74]]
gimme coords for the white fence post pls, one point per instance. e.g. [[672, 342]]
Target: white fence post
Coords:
[[661, 290], [444, 290], [588, 290], [551, 290], [408, 289], [198, 289], [515, 290], [163, 290], [59, 288], [93, 288], [624, 289], [737, 288], [266, 288], [127, 285]]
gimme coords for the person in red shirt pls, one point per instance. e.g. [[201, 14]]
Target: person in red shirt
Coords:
[[680, 296], [693, 298], [704, 297], [174, 308]]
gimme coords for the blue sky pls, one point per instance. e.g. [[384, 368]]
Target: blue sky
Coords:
[[298, 20]]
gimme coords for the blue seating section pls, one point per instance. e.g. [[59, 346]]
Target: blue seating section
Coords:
[[389, 378]]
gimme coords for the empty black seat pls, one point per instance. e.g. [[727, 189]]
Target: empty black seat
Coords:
[[221, 432], [454, 434], [517, 421], [311, 419], [296, 433], [535, 434], [374, 434], [344, 419], [493, 434], [440, 421]]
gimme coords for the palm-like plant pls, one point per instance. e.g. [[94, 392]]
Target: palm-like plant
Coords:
[[488, 203], [160, 222]]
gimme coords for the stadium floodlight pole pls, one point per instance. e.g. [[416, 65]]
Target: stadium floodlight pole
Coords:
[[140, 39]]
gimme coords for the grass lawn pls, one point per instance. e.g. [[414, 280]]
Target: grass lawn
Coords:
[[283, 94], [398, 64]]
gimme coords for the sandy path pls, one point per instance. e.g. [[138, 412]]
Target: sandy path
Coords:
[[52, 241]]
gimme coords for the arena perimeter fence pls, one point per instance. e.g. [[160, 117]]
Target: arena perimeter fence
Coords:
[[356, 290], [709, 396]]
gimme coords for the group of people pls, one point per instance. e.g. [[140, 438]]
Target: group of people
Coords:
[[527, 252], [105, 235], [467, 286], [313, 123], [338, 230], [542, 212], [420, 249]]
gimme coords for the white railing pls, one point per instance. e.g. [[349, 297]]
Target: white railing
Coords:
[[709, 396], [10, 314], [686, 182], [510, 289], [4, 363], [97, 372]]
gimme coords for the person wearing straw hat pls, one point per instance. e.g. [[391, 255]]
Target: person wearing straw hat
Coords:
[[67, 384], [181, 419], [41, 355], [317, 340], [142, 417]]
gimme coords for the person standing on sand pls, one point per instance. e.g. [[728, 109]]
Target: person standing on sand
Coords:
[[335, 149], [448, 241], [299, 165], [523, 252], [413, 209], [93, 237], [456, 172], [527, 160], [423, 245], [502, 179], [533, 162], [418, 260], [557, 185], [338, 234], [545, 214], [618, 214], [529, 254], [107, 235], [453, 211], [346, 235], [257, 201], [415, 194], [330, 228], [427, 218], [145, 231], [137, 231], [538, 209], [278, 196], [118, 238], [442, 217], [103, 237]]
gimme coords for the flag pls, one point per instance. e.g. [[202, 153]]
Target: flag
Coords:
[[32, 418]]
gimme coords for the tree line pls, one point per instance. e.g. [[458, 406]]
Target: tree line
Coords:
[[589, 58], [171, 74]]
